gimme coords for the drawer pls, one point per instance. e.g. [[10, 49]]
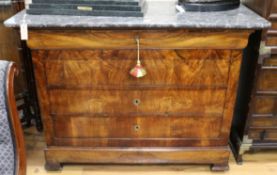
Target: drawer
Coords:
[[264, 122], [264, 105], [267, 80], [137, 127], [263, 134], [125, 39], [272, 61], [271, 40], [134, 102], [273, 26], [110, 68]]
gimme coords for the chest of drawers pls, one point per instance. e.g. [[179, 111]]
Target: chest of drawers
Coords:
[[255, 123], [94, 111]]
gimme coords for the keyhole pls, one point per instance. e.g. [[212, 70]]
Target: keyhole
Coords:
[[136, 128], [136, 102]]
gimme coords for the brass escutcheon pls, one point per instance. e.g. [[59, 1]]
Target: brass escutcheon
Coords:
[[136, 102], [136, 128]]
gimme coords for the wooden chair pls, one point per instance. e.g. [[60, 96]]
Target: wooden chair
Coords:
[[12, 148]]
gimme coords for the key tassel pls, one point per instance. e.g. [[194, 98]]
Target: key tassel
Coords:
[[138, 71]]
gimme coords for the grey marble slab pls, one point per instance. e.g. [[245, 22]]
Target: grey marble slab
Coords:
[[158, 14]]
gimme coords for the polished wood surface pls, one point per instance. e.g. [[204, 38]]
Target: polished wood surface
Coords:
[[94, 111], [137, 102], [108, 69], [264, 122], [147, 155], [272, 61], [267, 79], [124, 39], [138, 128], [20, 156], [263, 134], [264, 105]]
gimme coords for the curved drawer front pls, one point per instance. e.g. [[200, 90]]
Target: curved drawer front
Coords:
[[133, 102], [110, 68]]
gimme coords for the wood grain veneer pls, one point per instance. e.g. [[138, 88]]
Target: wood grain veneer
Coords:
[[151, 39], [95, 112]]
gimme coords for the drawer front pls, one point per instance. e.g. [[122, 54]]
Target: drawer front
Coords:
[[123, 39], [264, 122], [134, 102], [271, 61], [271, 41], [274, 26], [267, 79], [110, 68], [263, 134], [264, 105], [137, 127]]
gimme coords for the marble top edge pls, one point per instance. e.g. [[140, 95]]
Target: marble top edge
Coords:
[[155, 17]]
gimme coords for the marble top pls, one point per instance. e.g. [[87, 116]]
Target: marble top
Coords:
[[158, 14]]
